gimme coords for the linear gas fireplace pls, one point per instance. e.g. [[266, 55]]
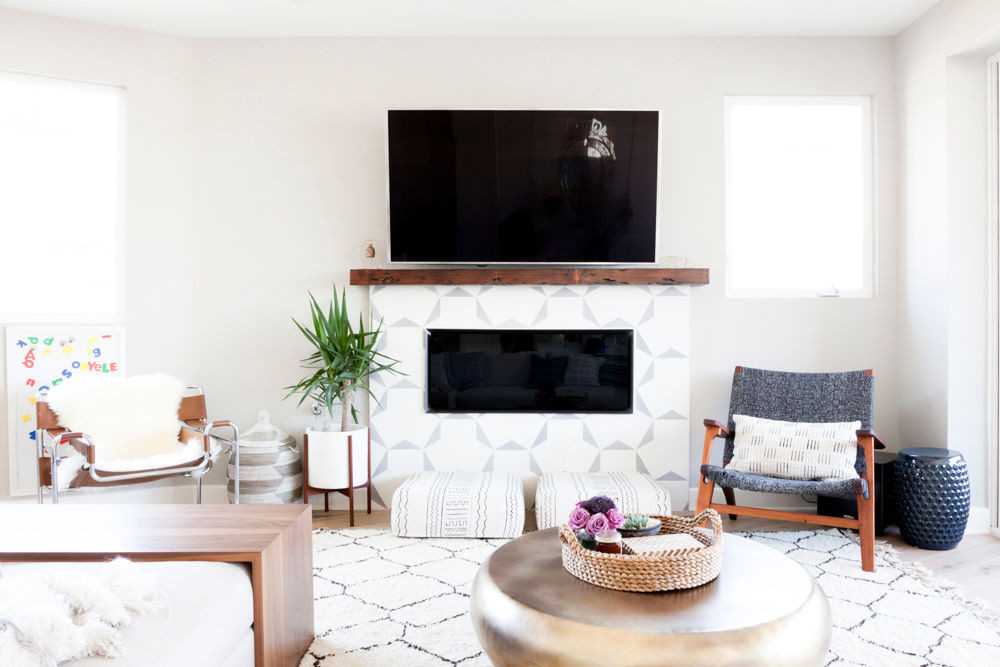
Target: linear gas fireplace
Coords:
[[529, 370]]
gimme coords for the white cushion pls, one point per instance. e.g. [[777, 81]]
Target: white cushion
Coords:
[[127, 418], [211, 611], [633, 493], [795, 450], [242, 654], [459, 504]]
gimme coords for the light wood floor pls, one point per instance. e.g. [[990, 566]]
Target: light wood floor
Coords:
[[974, 563]]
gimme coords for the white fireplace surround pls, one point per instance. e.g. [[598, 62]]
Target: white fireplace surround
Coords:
[[653, 439]]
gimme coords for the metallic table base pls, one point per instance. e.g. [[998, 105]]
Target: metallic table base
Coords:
[[764, 609]]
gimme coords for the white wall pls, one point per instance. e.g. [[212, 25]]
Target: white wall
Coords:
[[160, 274], [293, 147], [260, 171], [941, 70]]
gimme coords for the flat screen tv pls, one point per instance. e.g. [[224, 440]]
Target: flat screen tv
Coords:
[[529, 370], [522, 187]]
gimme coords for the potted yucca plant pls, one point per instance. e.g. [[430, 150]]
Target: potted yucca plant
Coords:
[[344, 358]]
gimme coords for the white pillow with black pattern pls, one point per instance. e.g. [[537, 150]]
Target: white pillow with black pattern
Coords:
[[795, 450]]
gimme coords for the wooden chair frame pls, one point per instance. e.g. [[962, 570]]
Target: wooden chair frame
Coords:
[[192, 416], [868, 440]]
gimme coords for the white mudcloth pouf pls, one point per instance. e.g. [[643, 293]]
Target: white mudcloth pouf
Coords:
[[459, 504], [633, 493]]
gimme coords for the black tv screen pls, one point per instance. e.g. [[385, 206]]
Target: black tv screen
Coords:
[[521, 370], [480, 187]]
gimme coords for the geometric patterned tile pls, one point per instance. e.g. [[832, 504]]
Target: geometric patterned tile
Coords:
[[658, 314]]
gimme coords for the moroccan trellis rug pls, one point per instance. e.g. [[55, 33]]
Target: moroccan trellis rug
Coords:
[[385, 600]]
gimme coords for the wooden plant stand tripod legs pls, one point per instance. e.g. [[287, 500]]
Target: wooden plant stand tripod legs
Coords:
[[308, 490]]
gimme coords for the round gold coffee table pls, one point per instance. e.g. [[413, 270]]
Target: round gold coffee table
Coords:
[[763, 609]]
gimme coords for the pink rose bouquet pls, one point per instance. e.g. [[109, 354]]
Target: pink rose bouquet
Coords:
[[596, 523], [594, 515], [597, 504], [578, 518]]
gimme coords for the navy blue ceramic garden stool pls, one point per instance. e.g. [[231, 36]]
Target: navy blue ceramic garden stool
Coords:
[[932, 496]]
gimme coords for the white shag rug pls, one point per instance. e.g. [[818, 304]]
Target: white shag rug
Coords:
[[386, 600]]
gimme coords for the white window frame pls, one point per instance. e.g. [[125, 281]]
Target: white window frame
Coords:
[[867, 290], [993, 290], [118, 314]]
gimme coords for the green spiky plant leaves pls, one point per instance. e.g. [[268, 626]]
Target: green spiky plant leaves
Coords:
[[344, 359], [635, 522]]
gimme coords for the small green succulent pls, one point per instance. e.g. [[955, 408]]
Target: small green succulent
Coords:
[[635, 522]]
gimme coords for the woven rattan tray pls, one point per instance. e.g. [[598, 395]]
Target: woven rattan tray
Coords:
[[651, 571]]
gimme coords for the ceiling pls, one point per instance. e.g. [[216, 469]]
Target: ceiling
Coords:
[[296, 18]]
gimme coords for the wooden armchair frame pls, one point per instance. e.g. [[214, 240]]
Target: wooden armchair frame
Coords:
[[192, 416], [868, 440]]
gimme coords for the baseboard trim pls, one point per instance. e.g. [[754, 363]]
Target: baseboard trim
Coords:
[[979, 521]]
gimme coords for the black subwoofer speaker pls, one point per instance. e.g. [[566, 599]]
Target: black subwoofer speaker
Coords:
[[884, 506]]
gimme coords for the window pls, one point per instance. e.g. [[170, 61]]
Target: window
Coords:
[[993, 303], [61, 199], [799, 196]]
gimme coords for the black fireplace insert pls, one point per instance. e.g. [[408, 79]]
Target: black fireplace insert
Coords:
[[529, 370]]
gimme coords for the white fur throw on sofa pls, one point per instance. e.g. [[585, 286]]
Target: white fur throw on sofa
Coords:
[[129, 419], [50, 616]]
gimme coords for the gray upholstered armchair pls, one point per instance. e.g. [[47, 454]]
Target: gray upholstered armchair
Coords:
[[798, 397]]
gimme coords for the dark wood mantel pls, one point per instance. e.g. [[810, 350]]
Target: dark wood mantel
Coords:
[[530, 276]]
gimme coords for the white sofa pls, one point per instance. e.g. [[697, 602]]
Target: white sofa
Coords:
[[210, 623]]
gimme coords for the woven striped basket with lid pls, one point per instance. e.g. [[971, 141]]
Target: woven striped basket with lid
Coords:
[[270, 465], [655, 570]]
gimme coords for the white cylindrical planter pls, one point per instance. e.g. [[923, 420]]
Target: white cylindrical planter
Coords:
[[328, 458]]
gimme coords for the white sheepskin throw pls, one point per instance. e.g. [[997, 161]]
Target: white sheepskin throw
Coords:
[[50, 616], [127, 418]]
